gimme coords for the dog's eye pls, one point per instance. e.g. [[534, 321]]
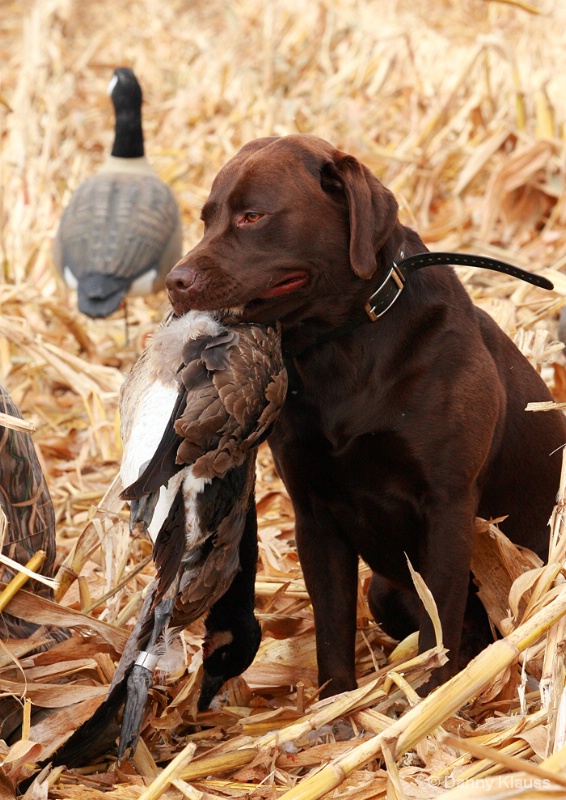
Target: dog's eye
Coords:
[[250, 217]]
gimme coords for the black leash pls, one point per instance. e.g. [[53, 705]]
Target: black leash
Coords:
[[391, 287]]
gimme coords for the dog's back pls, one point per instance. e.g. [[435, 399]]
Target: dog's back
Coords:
[[523, 475]]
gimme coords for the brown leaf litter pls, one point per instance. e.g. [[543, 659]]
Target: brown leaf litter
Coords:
[[458, 108]]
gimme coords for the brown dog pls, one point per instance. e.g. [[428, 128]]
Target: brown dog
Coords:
[[395, 433]]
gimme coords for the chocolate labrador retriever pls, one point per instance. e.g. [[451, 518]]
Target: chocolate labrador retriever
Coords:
[[399, 427]]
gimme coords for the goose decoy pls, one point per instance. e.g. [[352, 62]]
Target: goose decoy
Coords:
[[30, 516], [194, 409], [121, 232], [27, 504], [562, 325]]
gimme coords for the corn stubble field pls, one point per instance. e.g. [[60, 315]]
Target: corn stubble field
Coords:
[[458, 108]]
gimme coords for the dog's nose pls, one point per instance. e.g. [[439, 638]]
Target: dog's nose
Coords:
[[179, 281]]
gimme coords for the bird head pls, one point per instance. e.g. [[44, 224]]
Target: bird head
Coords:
[[227, 653], [124, 88]]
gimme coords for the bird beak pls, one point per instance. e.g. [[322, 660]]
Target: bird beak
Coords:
[[211, 684]]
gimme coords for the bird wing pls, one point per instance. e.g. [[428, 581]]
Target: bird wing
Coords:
[[232, 388], [209, 571], [232, 385], [149, 400], [235, 411]]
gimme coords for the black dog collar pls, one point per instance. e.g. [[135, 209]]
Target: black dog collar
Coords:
[[391, 287], [393, 284]]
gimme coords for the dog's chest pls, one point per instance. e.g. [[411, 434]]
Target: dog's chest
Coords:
[[332, 413], [371, 489]]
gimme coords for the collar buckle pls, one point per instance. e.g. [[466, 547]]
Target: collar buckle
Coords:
[[386, 294]]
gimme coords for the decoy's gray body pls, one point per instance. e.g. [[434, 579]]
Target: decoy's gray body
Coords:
[[194, 409], [122, 231]]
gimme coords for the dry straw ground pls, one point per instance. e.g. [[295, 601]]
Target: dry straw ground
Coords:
[[458, 107]]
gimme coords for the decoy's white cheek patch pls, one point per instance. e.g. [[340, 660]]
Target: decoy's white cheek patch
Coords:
[[111, 86], [70, 279], [144, 284]]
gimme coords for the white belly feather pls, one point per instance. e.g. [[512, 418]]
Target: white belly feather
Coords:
[[191, 488], [153, 414], [152, 406]]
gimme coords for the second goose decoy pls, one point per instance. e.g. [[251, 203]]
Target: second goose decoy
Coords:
[[194, 409], [30, 527], [121, 232]]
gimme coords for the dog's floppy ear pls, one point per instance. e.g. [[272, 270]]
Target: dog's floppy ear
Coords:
[[372, 209]]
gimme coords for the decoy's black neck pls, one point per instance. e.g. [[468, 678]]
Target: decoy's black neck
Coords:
[[128, 140]]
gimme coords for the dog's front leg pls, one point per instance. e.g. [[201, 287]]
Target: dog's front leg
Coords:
[[330, 568], [447, 559]]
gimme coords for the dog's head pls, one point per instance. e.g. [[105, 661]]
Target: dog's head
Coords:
[[292, 227]]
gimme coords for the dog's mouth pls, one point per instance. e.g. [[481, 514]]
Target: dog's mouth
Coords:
[[261, 304], [291, 283]]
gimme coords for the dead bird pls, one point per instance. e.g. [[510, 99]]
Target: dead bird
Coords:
[[194, 409], [122, 231]]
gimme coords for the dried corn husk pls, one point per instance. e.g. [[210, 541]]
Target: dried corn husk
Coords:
[[459, 109]]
